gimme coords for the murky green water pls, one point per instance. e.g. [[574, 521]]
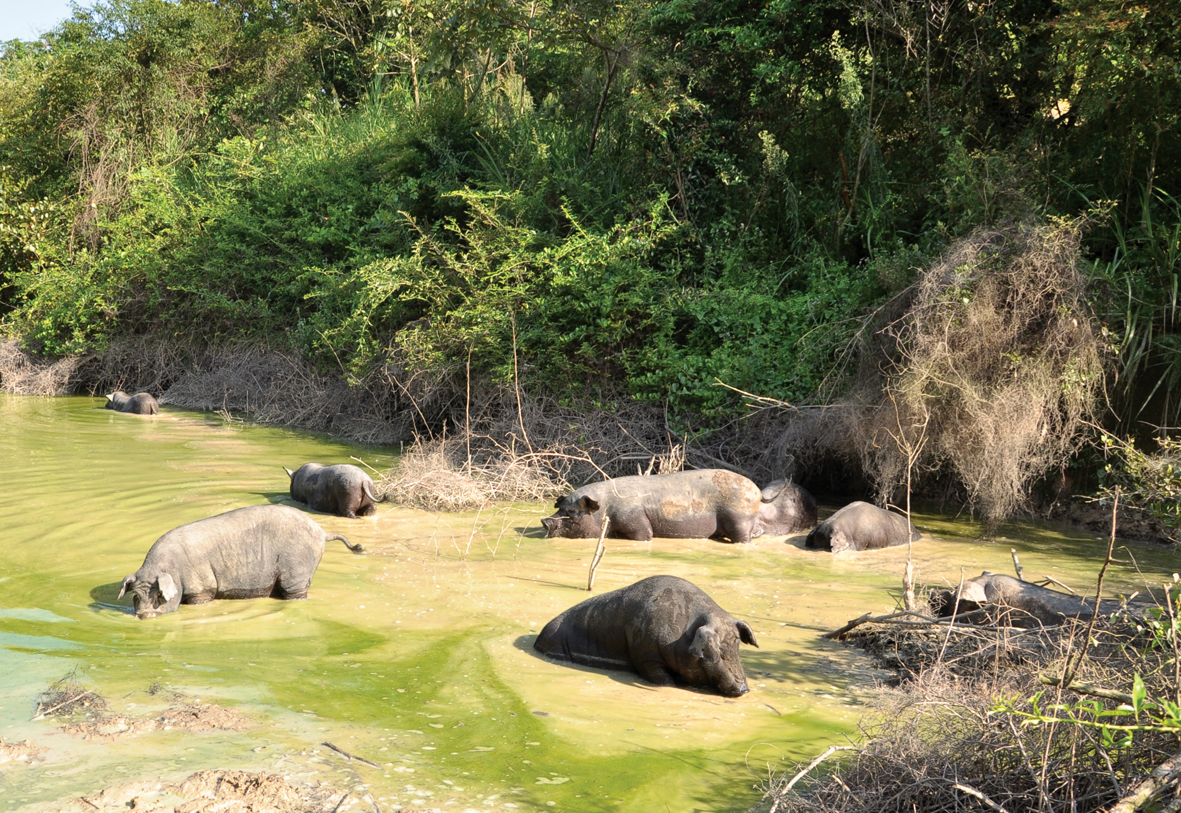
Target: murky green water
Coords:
[[418, 656]]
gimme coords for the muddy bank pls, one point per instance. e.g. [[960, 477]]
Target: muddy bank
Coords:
[[474, 422], [216, 792]]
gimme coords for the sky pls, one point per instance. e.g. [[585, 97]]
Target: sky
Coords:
[[29, 19]]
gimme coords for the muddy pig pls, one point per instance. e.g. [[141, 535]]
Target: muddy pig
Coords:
[[141, 403], [861, 526], [663, 628], [684, 504], [344, 489], [262, 550]]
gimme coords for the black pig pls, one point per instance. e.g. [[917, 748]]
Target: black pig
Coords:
[[663, 628]]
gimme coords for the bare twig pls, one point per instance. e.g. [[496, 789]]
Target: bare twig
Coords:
[[349, 756], [72, 699], [598, 555], [977, 794], [832, 749]]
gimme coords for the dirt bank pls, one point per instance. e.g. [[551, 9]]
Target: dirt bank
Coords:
[[217, 792]]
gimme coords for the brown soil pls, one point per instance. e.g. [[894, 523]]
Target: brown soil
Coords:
[[1096, 518], [24, 752], [216, 792], [185, 717]]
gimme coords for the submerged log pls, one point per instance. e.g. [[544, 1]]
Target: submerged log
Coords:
[[994, 599]]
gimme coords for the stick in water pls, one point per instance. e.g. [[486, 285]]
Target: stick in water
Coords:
[[598, 557]]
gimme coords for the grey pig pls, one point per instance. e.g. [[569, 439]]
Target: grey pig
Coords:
[[861, 526], [344, 489], [663, 628], [262, 550], [141, 403], [685, 504], [786, 508]]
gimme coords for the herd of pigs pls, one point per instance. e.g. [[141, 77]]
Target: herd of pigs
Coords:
[[663, 628]]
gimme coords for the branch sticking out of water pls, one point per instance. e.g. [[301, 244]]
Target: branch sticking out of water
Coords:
[[349, 756], [598, 557]]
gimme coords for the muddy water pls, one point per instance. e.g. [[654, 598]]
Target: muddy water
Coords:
[[417, 656]]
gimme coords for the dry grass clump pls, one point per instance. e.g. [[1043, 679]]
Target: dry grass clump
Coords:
[[67, 697], [433, 476], [990, 375], [954, 734], [22, 373]]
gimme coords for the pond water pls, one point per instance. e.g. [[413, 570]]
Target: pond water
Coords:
[[417, 656]]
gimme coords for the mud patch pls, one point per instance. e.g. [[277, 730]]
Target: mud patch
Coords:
[[20, 752], [1095, 518], [185, 717], [220, 791]]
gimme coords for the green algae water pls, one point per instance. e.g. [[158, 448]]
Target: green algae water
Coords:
[[417, 656]]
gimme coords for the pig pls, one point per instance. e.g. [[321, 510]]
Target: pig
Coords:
[[684, 504], [262, 550], [141, 403], [664, 628], [861, 526], [344, 489], [786, 508]]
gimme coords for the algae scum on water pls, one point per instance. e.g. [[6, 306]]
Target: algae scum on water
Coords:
[[407, 679]]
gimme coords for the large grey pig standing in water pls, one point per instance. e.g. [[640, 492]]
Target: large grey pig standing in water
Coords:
[[861, 526], [786, 508], [142, 403], [663, 628], [684, 504], [344, 489], [263, 550]]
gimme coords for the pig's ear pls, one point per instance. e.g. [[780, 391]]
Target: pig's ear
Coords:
[[167, 587], [130, 580], [705, 642], [589, 505], [111, 397], [290, 473], [746, 634]]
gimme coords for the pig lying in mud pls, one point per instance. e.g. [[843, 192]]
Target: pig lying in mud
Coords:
[[344, 489], [685, 504], [262, 550], [141, 403], [861, 526], [786, 508], [663, 628]]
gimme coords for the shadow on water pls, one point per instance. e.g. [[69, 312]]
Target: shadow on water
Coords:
[[105, 597], [278, 498], [785, 666], [525, 644]]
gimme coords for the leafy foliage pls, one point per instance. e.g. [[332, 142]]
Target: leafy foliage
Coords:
[[651, 196]]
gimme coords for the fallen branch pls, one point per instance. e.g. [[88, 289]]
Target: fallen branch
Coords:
[[43, 714], [977, 794], [1060, 584], [835, 635], [1165, 774], [832, 749], [1088, 689]]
